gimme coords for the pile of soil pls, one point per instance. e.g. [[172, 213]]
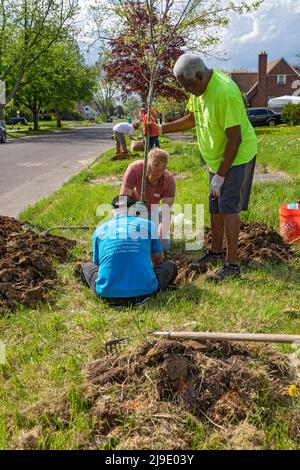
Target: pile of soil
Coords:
[[164, 382], [258, 244], [26, 263], [185, 274]]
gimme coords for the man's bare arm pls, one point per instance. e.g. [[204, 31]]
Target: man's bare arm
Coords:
[[180, 125], [169, 201], [126, 191], [234, 140]]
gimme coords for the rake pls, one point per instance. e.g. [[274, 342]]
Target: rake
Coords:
[[115, 345]]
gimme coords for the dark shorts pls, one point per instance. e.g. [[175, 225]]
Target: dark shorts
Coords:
[[236, 190], [166, 273]]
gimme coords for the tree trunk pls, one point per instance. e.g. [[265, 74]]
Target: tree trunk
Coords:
[[58, 120], [146, 151], [2, 106], [35, 119]]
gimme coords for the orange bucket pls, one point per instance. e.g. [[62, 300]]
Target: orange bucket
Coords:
[[290, 222]]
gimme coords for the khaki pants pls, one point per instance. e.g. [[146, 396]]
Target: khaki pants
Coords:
[[120, 140]]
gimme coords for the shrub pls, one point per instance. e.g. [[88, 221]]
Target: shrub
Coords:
[[291, 114]]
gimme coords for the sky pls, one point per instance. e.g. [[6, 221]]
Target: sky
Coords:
[[274, 28]]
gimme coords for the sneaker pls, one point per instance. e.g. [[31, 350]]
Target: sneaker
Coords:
[[209, 259], [228, 271]]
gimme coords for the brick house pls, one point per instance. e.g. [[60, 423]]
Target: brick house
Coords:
[[274, 79]]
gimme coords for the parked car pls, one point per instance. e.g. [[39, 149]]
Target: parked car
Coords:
[[17, 120], [45, 117], [263, 117], [2, 133]]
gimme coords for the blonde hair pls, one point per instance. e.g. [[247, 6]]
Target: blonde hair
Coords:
[[158, 156]]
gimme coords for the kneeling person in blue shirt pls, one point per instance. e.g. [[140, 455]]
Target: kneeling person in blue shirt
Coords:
[[128, 261]]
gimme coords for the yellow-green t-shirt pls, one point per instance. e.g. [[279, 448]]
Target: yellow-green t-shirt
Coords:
[[221, 106]]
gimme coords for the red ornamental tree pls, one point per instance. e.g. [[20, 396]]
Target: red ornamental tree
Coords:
[[128, 51]]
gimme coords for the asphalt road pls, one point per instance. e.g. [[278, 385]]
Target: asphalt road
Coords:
[[31, 168]]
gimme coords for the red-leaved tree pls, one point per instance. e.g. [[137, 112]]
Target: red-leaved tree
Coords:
[[127, 57], [150, 36]]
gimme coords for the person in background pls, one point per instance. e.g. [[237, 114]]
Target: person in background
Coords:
[[153, 136], [143, 111], [153, 132], [160, 187], [120, 131], [128, 265]]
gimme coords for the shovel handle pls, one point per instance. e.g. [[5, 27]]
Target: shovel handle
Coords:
[[201, 336]]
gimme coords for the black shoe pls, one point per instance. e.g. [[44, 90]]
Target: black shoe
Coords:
[[209, 259], [228, 271]]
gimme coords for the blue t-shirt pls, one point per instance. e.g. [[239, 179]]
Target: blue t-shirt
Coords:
[[122, 248]]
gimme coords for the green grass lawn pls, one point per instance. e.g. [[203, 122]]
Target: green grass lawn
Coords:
[[278, 147], [48, 346], [46, 126]]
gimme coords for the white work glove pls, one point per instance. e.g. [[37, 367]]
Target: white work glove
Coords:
[[216, 185], [153, 125], [160, 129]]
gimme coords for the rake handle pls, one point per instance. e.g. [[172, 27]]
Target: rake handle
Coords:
[[260, 338]]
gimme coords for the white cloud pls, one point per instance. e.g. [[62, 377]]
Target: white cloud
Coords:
[[274, 28]]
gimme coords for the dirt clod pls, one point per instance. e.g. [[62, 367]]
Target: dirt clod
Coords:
[[258, 244], [26, 264], [214, 382]]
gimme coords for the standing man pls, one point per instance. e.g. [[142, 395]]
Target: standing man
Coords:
[[228, 145]]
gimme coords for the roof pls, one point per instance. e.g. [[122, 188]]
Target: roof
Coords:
[[248, 81], [244, 80], [252, 91], [272, 64], [285, 99]]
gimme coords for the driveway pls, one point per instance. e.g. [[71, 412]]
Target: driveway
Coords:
[[32, 168]]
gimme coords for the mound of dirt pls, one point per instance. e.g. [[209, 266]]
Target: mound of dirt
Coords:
[[185, 274], [165, 381], [26, 270], [258, 244]]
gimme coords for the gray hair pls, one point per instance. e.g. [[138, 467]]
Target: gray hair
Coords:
[[188, 65]]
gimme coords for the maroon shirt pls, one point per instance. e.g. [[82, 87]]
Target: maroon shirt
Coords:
[[164, 187]]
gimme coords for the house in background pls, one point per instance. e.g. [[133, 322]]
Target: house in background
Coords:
[[273, 80], [86, 111]]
